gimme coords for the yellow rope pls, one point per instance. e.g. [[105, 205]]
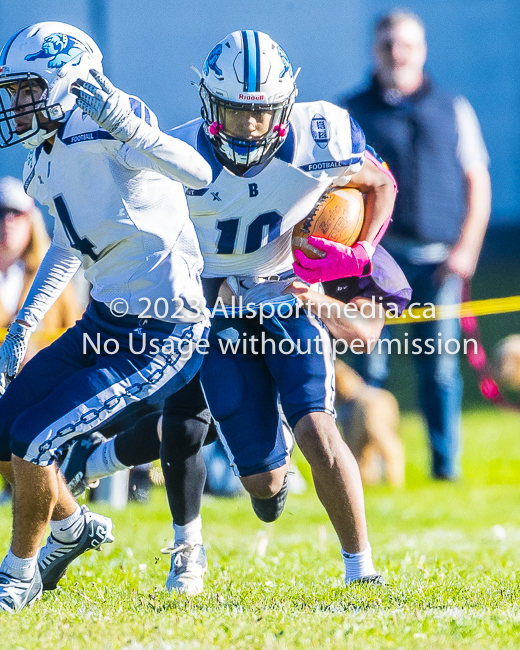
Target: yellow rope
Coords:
[[471, 308], [46, 336]]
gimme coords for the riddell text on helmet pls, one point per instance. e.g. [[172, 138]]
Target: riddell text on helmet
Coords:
[[251, 97]]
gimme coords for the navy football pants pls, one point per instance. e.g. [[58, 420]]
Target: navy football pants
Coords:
[[69, 389], [243, 390]]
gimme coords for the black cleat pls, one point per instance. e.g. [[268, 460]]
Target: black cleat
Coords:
[[269, 510], [75, 461]]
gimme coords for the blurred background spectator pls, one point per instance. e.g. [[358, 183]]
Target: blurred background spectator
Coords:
[[23, 244], [433, 144]]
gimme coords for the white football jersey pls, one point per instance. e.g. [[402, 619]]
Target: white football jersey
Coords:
[[128, 223], [244, 224]]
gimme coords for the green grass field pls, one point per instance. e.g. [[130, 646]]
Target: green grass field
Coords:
[[449, 553]]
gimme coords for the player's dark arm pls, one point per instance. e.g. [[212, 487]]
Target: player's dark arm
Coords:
[[378, 185], [344, 320]]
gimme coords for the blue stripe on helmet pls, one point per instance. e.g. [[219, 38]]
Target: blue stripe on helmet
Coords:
[[246, 61], [257, 52], [250, 61], [7, 46]]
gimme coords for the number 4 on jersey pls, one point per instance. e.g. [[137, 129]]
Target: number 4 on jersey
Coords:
[[84, 246]]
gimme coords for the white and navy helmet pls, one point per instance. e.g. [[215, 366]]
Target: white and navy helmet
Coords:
[[47, 55], [247, 71]]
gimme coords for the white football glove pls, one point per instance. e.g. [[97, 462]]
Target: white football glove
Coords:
[[253, 290], [107, 106], [12, 353]]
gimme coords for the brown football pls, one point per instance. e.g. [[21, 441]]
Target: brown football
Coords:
[[337, 216]]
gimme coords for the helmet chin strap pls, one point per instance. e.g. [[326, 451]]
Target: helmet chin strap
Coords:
[[39, 137]]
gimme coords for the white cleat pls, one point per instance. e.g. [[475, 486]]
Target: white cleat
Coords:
[[189, 564], [55, 556], [16, 594], [373, 579]]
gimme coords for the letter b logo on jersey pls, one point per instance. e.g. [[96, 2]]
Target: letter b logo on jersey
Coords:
[[253, 189]]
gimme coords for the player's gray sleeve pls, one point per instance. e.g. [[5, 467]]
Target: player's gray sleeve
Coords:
[[151, 148], [471, 149], [55, 272]]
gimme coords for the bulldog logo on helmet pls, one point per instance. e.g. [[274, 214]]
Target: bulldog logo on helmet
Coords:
[[211, 61], [60, 49], [286, 63]]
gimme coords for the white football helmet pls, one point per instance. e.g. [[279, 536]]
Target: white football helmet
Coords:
[[47, 56], [247, 71]]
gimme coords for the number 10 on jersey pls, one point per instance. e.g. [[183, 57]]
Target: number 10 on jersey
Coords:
[[260, 232]]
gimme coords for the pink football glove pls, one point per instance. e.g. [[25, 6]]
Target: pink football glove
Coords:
[[340, 262]]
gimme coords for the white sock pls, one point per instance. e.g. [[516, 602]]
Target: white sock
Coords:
[[358, 565], [22, 568], [70, 529], [103, 462], [191, 532]]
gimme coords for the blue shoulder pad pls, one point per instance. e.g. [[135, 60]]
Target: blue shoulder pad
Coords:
[[358, 137]]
